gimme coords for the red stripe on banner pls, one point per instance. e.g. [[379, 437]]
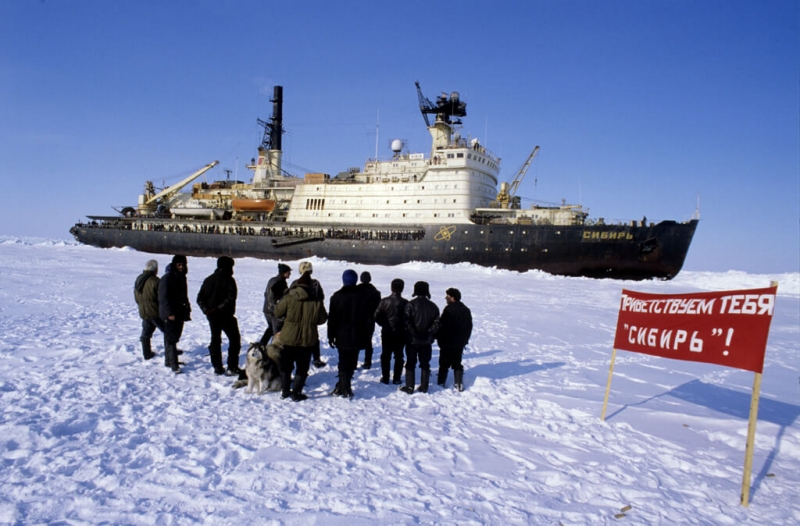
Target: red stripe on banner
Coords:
[[727, 328]]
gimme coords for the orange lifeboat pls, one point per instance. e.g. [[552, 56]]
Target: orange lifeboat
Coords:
[[253, 205]]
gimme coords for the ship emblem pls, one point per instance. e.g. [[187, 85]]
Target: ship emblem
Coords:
[[444, 233]]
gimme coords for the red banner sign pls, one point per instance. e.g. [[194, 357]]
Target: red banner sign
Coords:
[[726, 328]]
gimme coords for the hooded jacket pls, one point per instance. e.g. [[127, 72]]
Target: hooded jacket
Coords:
[[217, 296], [302, 313], [145, 293]]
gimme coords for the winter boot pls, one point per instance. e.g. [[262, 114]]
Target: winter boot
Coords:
[[410, 379], [147, 350], [459, 379], [424, 379], [346, 384], [297, 388], [385, 367], [441, 377], [286, 384], [367, 359], [398, 373]]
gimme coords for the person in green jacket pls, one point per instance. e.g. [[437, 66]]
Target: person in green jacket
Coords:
[[145, 293], [302, 312]]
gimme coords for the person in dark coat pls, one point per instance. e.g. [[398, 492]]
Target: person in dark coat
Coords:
[[347, 329], [372, 297], [217, 300], [422, 322], [316, 291], [276, 288], [145, 293], [174, 308], [301, 312], [455, 329], [390, 315]]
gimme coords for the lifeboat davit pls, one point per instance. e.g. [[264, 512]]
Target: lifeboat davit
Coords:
[[253, 205]]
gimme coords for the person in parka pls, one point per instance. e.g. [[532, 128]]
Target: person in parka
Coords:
[[302, 312], [347, 329], [372, 297], [316, 291], [390, 315], [276, 288], [455, 329], [145, 293], [217, 300], [174, 308], [422, 322]]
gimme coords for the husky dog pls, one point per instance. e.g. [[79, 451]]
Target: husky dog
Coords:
[[256, 369], [261, 373]]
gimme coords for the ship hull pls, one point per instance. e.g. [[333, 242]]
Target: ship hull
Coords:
[[598, 251]]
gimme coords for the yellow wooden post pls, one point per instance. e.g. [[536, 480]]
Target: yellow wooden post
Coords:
[[608, 384], [751, 433]]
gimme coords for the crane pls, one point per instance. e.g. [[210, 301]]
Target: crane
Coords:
[[148, 201], [509, 190]]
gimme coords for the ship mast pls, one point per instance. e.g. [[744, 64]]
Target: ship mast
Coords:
[[269, 152]]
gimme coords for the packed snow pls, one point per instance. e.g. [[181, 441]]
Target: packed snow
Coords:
[[92, 433]]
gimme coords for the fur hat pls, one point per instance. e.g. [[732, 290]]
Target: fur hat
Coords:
[[421, 289], [225, 263], [366, 277], [454, 293], [305, 266], [398, 285], [179, 258], [152, 266], [349, 277], [283, 269]]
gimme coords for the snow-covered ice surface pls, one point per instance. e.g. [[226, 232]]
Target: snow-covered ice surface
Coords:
[[90, 433]]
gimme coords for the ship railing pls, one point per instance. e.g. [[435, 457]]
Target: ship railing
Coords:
[[249, 229]]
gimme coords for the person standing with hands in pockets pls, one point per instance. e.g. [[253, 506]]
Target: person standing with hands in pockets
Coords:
[[455, 329]]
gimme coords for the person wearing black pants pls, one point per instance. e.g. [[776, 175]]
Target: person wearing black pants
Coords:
[[217, 300], [390, 315], [302, 312], [348, 325], [422, 322], [174, 308], [455, 329]]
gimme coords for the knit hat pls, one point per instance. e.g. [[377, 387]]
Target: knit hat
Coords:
[[366, 277], [398, 285], [283, 269], [421, 289], [152, 266], [179, 258], [454, 293], [349, 277], [305, 266], [225, 263]]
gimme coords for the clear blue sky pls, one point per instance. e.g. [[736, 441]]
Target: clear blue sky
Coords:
[[639, 106]]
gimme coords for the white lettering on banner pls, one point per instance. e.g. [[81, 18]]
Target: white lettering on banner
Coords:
[[663, 338], [668, 306], [748, 304]]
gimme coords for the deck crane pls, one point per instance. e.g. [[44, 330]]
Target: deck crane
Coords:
[[508, 191], [149, 200]]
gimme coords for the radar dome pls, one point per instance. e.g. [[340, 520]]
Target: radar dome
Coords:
[[397, 145]]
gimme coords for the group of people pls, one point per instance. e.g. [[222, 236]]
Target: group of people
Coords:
[[295, 311]]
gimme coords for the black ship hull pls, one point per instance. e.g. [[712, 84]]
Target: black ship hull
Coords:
[[598, 251]]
